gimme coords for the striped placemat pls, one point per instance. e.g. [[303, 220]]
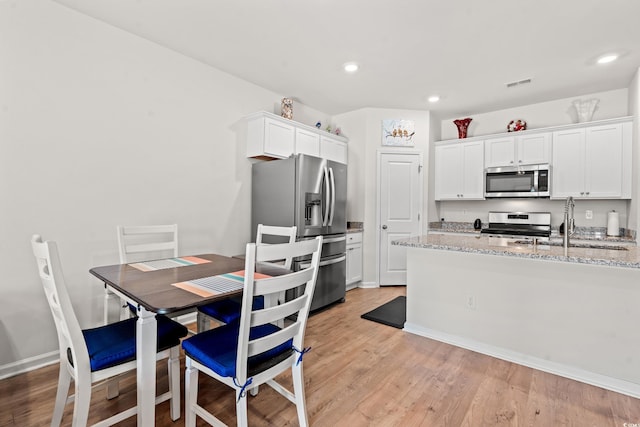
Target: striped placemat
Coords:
[[162, 264], [216, 285]]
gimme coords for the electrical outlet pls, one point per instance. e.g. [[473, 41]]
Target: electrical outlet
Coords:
[[588, 214], [471, 302]]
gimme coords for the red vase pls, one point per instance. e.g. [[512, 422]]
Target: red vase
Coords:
[[462, 124]]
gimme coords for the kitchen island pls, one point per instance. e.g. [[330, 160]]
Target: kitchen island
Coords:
[[575, 316]]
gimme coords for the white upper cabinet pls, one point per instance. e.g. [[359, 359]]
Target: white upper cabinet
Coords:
[[592, 162], [333, 149], [587, 160], [515, 150], [533, 149], [459, 170], [267, 137], [307, 142], [273, 137], [499, 151]]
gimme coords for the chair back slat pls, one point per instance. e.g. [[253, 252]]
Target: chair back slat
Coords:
[[70, 336], [263, 344], [147, 242], [276, 234], [303, 282], [282, 311], [281, 283]]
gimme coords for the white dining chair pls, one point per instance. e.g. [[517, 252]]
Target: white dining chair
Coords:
[[246, 354], [142, 243], [147, 242], [228, 310], [98, 356]]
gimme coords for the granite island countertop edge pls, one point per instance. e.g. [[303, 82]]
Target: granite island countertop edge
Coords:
[[480, 245]]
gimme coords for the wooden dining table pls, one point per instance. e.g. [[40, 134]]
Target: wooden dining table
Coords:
[[154, 291]]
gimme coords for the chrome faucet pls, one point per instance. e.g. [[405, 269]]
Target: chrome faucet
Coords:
[[569, 224]]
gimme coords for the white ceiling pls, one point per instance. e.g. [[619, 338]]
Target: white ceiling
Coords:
[[464, 50]]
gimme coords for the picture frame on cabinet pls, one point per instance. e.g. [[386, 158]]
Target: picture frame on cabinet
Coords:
[[397, 132]]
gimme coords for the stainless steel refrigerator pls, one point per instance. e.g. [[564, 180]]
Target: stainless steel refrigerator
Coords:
[[310, 193]]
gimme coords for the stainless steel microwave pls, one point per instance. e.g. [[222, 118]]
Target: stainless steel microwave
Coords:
[[517, 181]]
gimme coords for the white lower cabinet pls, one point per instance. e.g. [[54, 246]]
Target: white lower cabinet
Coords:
[[354, 259]]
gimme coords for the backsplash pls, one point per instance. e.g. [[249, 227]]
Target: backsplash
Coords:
[[586, 233], [468, 211], [454, 227]]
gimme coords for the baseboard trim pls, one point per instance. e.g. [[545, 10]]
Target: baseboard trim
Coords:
[[368, 285], [577, 374], [29, 364]]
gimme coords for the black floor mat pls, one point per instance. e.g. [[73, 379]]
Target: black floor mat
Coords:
[[393, 313]]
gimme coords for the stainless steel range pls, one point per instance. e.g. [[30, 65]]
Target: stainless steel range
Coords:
[[519, 225]]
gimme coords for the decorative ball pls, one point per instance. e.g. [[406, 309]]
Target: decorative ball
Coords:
[[516, 125]]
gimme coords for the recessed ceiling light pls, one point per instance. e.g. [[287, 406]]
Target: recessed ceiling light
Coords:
[[351, 67], [605, 59], [433, 98]]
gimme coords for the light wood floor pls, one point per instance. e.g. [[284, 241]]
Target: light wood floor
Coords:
[[361, 373]]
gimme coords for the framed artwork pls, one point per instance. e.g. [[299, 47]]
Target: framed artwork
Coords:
[[398, 132]]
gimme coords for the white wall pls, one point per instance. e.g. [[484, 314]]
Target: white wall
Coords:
[[557, 112], [367, 125], [634, 110], [353, 127], [98, 128]]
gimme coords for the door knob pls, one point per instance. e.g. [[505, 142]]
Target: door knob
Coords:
[[384, 227]]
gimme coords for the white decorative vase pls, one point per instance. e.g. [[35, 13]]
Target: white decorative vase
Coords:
[[585, 109]]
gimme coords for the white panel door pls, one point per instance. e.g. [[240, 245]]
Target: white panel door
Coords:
[[400, 212]]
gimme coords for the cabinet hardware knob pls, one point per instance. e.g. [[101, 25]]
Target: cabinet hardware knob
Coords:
[[384, 227]]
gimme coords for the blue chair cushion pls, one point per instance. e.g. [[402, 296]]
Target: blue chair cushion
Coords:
[[115, 343], [217, 349], [228, 310]]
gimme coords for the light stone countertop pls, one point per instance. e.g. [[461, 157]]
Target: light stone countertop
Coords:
[[481, 244]]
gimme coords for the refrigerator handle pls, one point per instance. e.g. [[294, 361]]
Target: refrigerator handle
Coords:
[[325, 219], [334, 239], [325, 263], [333, 196]]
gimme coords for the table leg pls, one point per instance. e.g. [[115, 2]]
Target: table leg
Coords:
[[146, 345]]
